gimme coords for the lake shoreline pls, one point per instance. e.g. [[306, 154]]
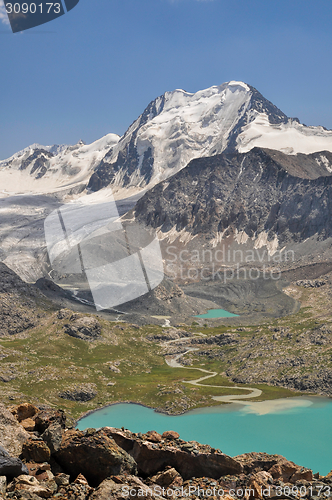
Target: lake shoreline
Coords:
[[282, 430], [268, 402], [157, 410]]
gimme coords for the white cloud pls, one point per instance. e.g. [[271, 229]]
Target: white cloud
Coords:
[[3, 13]]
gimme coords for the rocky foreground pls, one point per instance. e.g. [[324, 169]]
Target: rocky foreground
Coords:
[[41, 458]]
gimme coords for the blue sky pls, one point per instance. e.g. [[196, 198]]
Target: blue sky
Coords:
[[94, 70]]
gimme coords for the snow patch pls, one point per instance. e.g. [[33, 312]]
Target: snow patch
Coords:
[[173, 234], [290, 138], [323, 160], [241, 237], [262, 241]]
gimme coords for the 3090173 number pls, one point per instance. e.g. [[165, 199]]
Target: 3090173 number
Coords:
[[33, 8]]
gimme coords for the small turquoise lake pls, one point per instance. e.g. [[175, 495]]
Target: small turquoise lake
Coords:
[[302, 433], [217, 313]]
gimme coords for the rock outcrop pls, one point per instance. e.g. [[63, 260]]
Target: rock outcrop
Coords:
[[84, 328], [189, 459], [18, 303], [83, 393]]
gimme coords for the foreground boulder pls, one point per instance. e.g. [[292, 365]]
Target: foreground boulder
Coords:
[[11, 466], [12, 434], [49, 416], [93, 454], [168, 478], [53, 437], [36, 450], [189, 459], [24, 411]]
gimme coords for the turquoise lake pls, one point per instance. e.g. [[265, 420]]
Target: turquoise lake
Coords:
[[301, 434], [217, 313]]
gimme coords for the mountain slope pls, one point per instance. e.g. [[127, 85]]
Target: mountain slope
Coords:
[[261, 193]]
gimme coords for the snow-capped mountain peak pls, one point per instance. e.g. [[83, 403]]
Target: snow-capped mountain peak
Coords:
[[44, 169], [180, 126], [174, 129]]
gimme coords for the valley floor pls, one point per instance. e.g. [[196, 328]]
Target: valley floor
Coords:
[[59, 362]]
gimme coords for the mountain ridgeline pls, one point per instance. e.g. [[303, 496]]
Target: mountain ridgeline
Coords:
[[174, 129]]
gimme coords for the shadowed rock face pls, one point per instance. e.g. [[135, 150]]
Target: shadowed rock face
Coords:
[[252, 192], [189, 461], [93, 454]]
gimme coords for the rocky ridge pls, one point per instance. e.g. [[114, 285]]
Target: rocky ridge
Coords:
[[19, 303], [241, 196], [53, 461]]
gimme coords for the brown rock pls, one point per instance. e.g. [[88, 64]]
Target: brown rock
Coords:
[[289, 472], [31, 485], [28, 424], [170, 435], [115, 487], [36, 451], [255, 462], [24, 411], [256, 489], [169, 477], [81, 480], [259, 482], [283, 471], [153, 436], [48, 417], [93, 454], [12, 434], [302, 474], [42, 472], [62, 479], [152, 458]]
